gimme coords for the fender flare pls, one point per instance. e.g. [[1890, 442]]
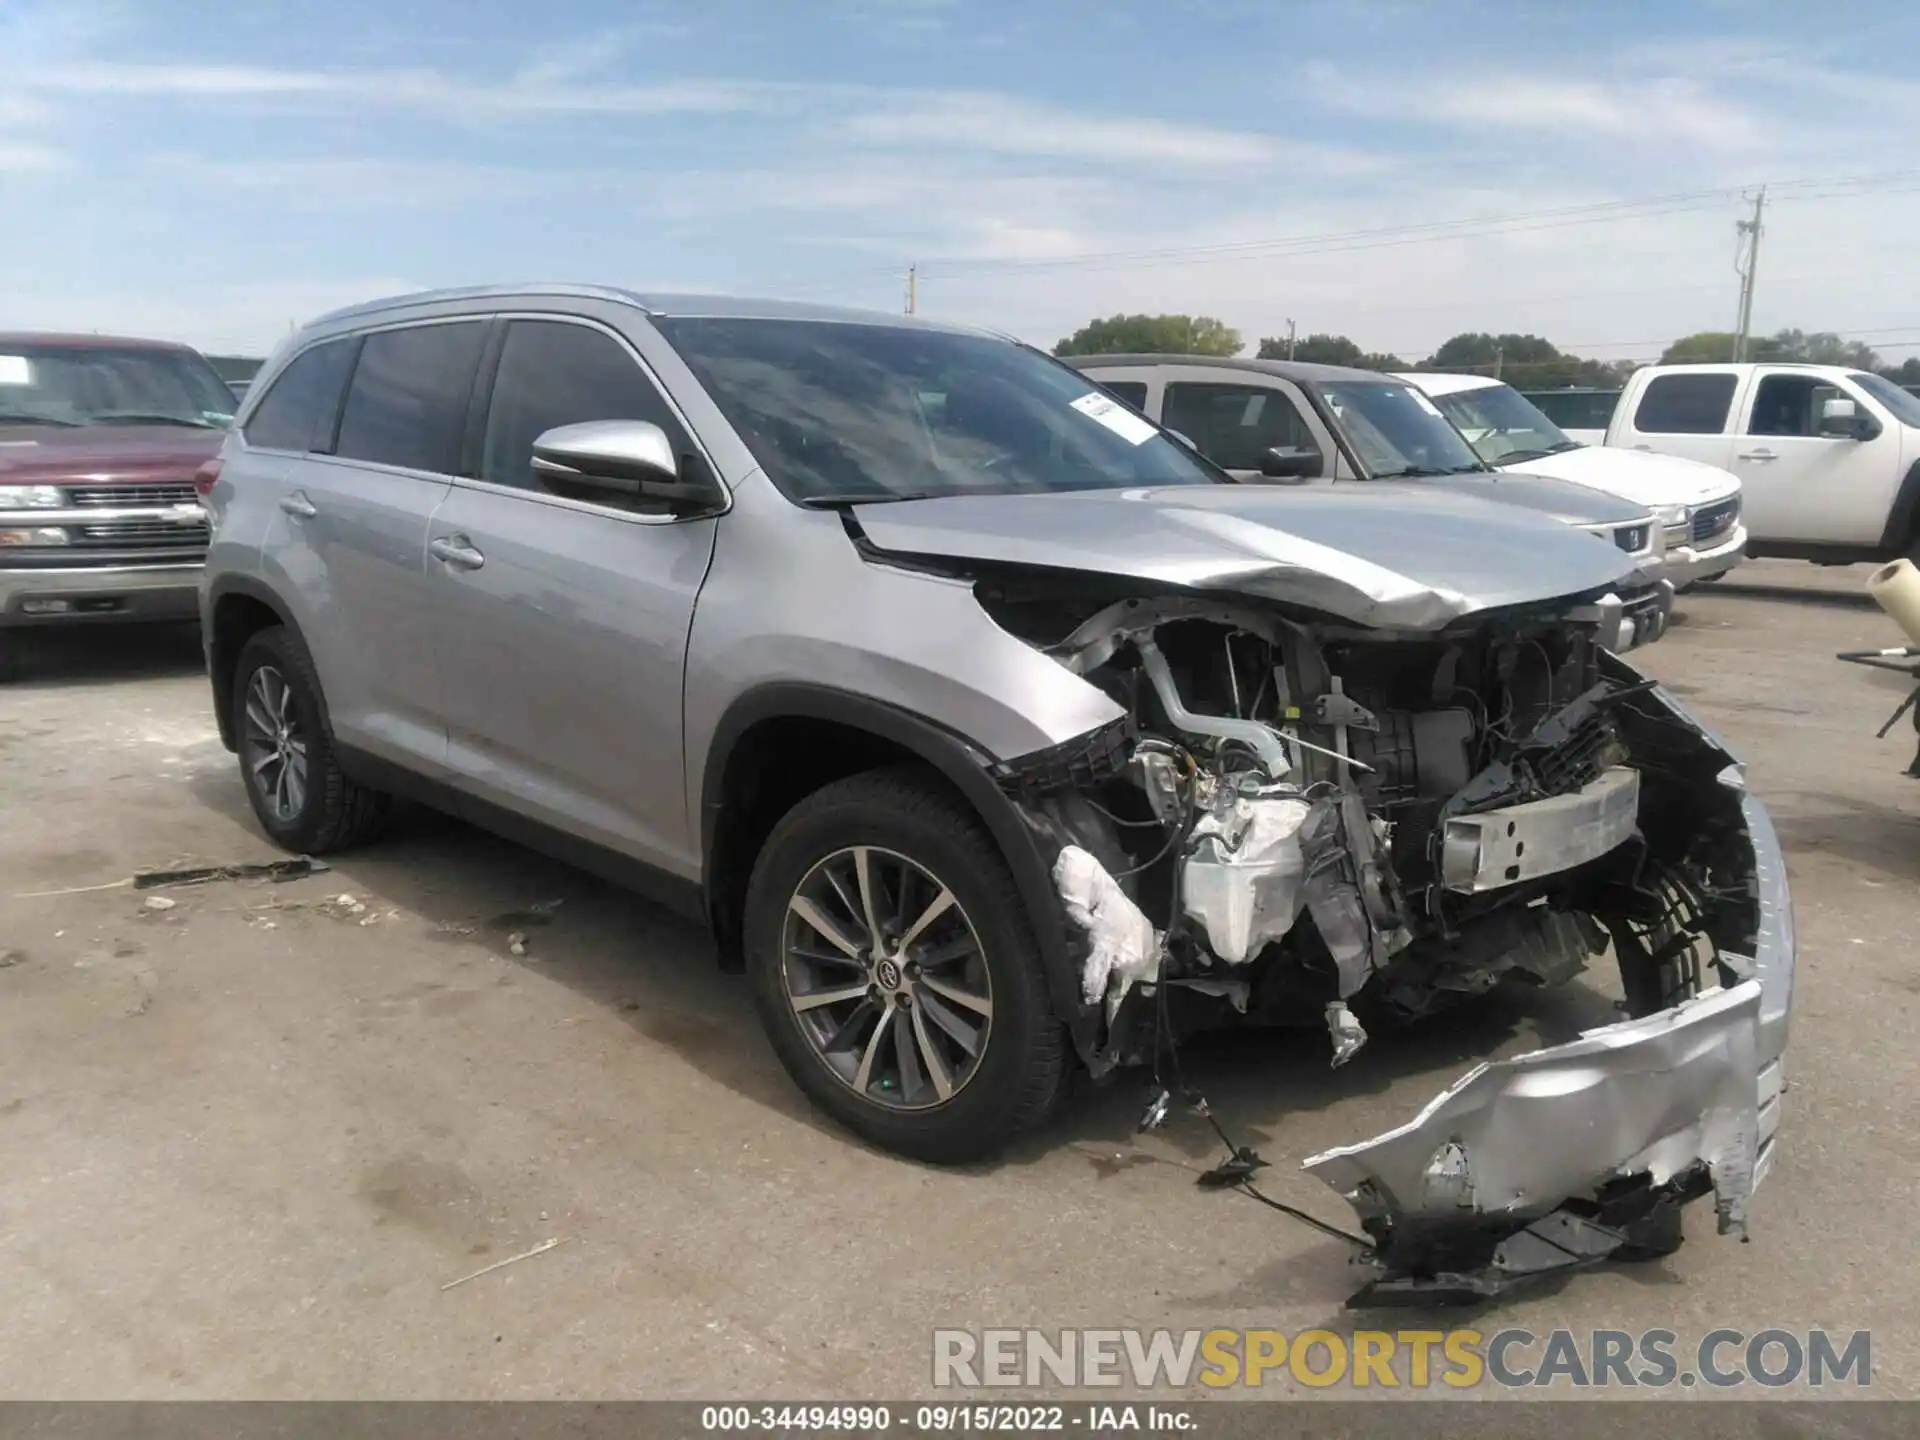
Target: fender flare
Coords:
[[1903, 518], [965, 765], [254, 589]]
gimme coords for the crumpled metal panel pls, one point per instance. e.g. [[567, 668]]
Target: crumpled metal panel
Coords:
[[1395, 559], [1645, 1096]]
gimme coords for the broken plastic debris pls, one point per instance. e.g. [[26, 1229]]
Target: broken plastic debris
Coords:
[[517, 943], [1236, 1169], [346, 904], [1155, 1115], [1243, 881], [158, 902], [1448, 1179], [1122, 947], [275, 870], [1346, 1031]]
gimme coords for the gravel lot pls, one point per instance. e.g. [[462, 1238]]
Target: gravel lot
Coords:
[[245, 1141]]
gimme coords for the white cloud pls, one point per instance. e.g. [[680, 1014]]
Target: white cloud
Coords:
[[245, 318], [19, 156]]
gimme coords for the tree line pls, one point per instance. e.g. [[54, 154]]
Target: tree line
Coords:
[[1527, 360]]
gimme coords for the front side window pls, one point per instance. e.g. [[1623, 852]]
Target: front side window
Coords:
[[868, 412], [302, 400], [1235, 425], [1789, 405], [68, 386], [1685, 405], [556, 373], [1396, 430], [408, 400], [1502, 425]]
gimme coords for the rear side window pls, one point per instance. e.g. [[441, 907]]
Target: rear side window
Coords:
[[302, 402], [1235, 425], [1134, 392], [1685, 405], [407, 404], [556, 373]]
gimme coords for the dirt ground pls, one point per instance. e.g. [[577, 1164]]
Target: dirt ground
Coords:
[[246, 1141]]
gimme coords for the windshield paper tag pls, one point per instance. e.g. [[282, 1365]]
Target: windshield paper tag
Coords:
[[1420, 399], [14, 370], [1116, 417]]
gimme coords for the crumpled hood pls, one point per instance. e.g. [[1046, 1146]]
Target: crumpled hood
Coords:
[[1564, 500], [1400, 557], [1637, 475], [101, 454]]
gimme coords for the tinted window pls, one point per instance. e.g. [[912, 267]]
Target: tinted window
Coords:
[[1134, 392], [1234, 425], [875, 412], [1685, 405], [553, 373], [302, 400], [1789, 405], [408, 401]]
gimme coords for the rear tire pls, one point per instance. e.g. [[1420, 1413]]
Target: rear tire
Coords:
[[299, 793], [882, 1060]]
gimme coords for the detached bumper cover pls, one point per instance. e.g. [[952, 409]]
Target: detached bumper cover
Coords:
[[1549, 1160]]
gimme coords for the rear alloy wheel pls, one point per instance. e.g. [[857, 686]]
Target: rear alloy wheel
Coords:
[[896, 972], [299, 793]]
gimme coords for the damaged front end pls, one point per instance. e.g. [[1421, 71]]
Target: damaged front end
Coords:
[[1302, 818]]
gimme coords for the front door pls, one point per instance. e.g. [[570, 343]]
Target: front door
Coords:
[[561, 624], [1801, 485]]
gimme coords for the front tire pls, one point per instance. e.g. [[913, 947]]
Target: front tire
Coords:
[[896, 972], [294, 782]]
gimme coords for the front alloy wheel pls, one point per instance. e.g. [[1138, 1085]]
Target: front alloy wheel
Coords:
[[887, 978]]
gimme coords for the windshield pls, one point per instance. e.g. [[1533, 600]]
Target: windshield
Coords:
[[1502, 425], [863, 412], [1904, 404], [1396, 429], [101, 385]]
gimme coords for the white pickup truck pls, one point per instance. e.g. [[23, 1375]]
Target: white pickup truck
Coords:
[[1698, 504], [1828, 457]]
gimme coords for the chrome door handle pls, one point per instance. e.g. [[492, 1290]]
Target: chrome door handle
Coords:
[[298, 504], [457, 551], [1758, 455]]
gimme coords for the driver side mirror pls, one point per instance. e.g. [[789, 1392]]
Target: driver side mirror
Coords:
[[623, 463], [1295, 465], [1841, 417]]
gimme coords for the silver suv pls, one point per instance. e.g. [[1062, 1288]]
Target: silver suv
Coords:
[[1000, 737]]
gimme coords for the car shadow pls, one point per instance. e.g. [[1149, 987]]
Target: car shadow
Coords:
[[660, 974], [57, 657]]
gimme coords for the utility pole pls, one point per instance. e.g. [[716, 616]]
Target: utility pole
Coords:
[[1290, 338], [1749, 231], [1499, 359], [913, 287]]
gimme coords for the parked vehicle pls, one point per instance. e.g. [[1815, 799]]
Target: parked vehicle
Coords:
[[99, 442], [1281, 420], [1828, 458], [1580, 411], [924, 671], [1698, 505]]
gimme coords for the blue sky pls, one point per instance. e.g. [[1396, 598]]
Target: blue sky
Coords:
[[214, 171]]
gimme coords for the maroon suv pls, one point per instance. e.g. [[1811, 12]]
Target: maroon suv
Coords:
[[99, 442]]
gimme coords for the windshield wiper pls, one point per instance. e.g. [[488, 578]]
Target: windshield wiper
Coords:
[[1411, 472], [142, 417], [38, 420], [1524, 455], [1563, 446], [878, 497]]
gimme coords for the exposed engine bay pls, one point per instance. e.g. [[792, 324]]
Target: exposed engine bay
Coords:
[[1302, 821]]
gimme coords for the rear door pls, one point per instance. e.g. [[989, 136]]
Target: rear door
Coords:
[[1688, 413], [348, 544], [561, 624], [1801, 485]]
